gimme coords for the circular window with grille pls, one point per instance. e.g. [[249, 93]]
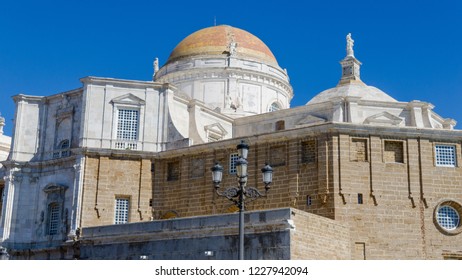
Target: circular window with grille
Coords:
[[447, 217]]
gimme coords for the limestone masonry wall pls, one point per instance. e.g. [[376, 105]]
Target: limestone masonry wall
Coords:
[[384, 187]]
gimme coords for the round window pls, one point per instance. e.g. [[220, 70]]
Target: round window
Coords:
[[447, 217]]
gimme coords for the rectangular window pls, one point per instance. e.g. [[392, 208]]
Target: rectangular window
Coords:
[[360, 198], [280, 125], [121, 211], [197, 167], [232, 163], [53, 219], [278, 156], [173, 171], [309, 200], [127, 124], [358, 150], [445, 155], [393, 151], [309, 151]]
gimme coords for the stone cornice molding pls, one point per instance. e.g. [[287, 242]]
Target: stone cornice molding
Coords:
[[69, 93], [220, 73], [126, 83], [128, 99], [52, 187], [205, 108], [29, 98], [216, 128], [383, 118], [206, 61], [444, 135]]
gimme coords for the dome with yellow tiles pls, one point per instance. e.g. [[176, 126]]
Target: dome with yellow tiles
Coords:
[[223, 40]]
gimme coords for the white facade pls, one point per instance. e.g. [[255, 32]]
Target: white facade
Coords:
[[198, 97], [5, 142]]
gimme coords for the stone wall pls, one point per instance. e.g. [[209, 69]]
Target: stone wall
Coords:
[[318, 238], [267, 236], [111, 177], [382, 183], [271, 234], [395, 219], [182, 180]]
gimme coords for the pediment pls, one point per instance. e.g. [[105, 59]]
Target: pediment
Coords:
[[128, 99], [310, 119], [383, 118], [54, 188], [216, 128]]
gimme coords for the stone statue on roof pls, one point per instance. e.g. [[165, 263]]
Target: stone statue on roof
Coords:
[[232, 49], [349, 46]]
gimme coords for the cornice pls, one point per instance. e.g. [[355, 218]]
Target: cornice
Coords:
[[30, 98], [204, 108], [127, 83], [226, 73]]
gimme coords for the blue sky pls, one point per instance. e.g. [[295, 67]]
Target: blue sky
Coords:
[[412, 50]]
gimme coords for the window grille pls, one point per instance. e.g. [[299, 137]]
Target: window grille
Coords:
[[127, 124], [53, 219], [121, 211], [447, 217], [309, 200], [232, 163], [63, 149], [445, 155]]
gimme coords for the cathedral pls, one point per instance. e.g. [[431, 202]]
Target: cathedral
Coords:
[[121, 169]]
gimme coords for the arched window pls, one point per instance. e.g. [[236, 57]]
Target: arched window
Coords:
[[64, 144], [274, 107], [62, 150]]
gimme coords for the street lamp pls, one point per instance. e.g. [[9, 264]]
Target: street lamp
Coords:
[[238, 193]]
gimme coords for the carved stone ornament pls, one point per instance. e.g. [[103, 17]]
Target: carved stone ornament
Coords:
[[54, 188], [349, 46], [17, 178], [33, 179], [232, 49]]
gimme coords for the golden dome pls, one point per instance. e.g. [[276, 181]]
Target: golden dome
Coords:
[[216, 40]]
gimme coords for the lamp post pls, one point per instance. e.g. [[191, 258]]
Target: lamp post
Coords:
[[239, 193]]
